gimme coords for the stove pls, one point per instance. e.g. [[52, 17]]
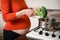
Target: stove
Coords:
[[45, 31], [44, 35]]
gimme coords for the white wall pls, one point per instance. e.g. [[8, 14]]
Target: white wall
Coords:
[[1, 24], [49, 4], [59, 3]]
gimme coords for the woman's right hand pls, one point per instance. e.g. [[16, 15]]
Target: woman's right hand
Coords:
[[27, 12]]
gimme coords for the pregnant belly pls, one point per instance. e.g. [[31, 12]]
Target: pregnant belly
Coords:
[[23, 31]]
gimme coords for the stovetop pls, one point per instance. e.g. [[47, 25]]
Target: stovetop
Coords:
[[44, 35], [45, 30]]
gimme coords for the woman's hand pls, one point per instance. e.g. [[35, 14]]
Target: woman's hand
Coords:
[[34, 9], [27, 12]]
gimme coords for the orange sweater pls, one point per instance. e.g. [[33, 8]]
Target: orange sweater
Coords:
[[9, 15]]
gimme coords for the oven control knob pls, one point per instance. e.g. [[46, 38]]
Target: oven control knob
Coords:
[[41, 32], [46, 34], [53, 35]]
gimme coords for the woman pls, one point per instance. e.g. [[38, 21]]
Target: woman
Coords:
[[16, 15]]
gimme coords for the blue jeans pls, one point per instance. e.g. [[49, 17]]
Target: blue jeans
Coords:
[[10, 35]]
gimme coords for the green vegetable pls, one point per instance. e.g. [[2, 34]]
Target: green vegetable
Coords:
[[42, 12]]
